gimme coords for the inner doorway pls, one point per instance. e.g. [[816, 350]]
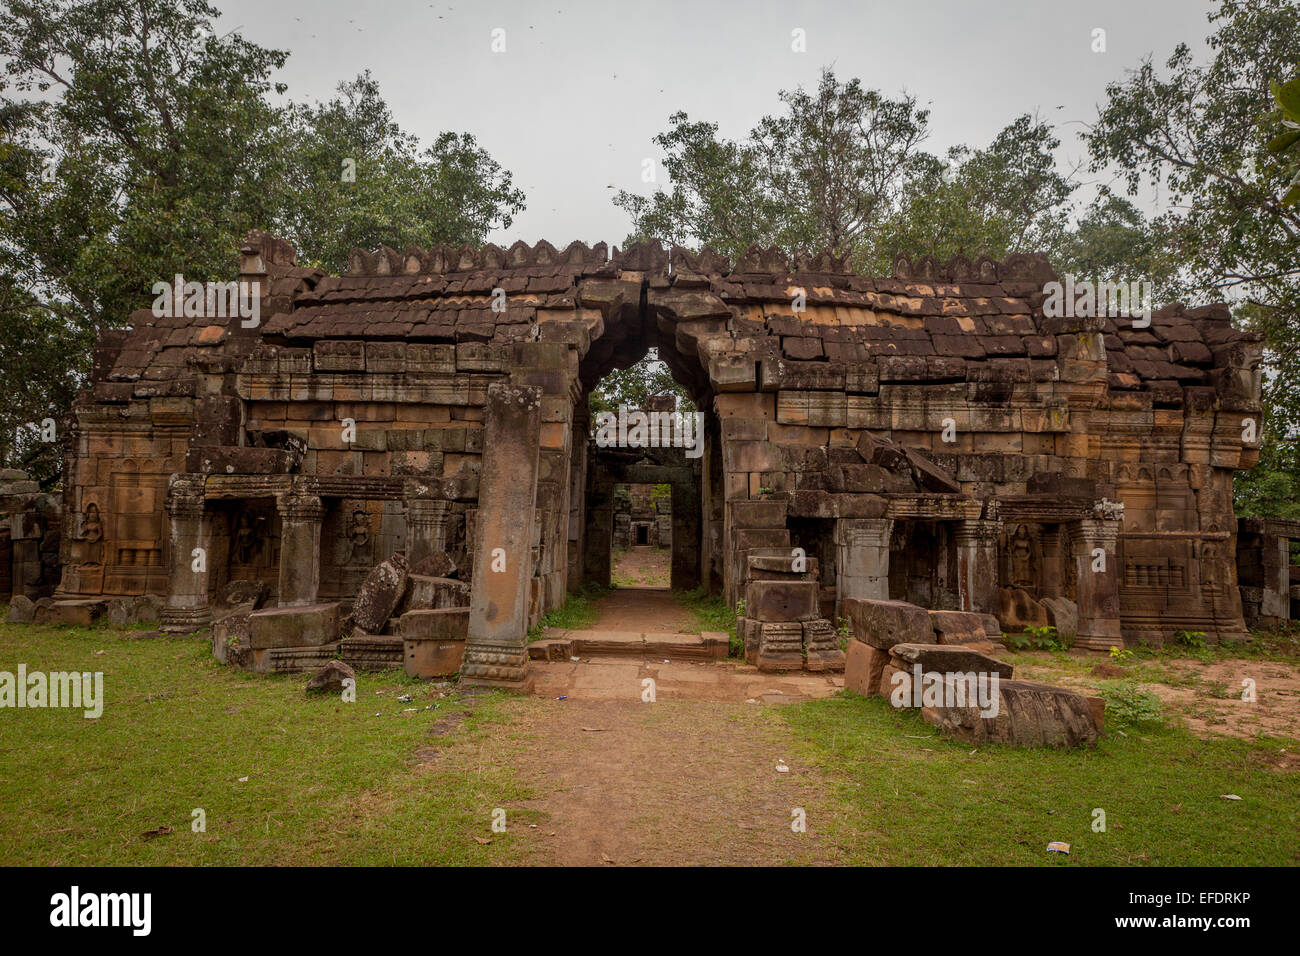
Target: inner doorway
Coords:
[[642, 543]]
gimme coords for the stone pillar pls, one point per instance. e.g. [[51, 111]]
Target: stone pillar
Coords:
[[862, 559], [977, 564], [598, 537], [496, 652], [190, 546], [1050, 581], [426, 527], [300, 521], [685, 573], [1097, 571]]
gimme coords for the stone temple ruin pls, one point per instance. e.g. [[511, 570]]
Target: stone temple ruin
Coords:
[[397, 465]]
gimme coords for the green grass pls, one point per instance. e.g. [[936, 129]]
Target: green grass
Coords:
[[578, 612], [328, 782], [907, 796], [713, 614]]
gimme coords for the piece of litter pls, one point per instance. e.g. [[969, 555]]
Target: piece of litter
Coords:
[[595, 730], [1058, 847], [751, 701], [575, 658], [532, 826], [242, 780], [607, 858], [563, 697], [484, 840], [1229, 796], [781, 767], [158, 831], [405, 698]]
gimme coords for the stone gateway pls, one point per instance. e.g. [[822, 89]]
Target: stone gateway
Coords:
[[932, 437]]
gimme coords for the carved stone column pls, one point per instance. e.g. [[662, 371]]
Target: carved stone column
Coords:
[[300, 521], [1096, 563], [496, 652], [190, 546], [862, 559], [426, 527], [977, 564]]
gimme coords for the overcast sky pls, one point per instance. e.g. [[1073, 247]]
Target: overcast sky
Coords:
[[571, 106]]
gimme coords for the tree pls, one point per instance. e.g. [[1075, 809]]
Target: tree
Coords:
[[823, 175], [632, 386], [1191, 131], [842, 169], [355, 178], [142, 144]]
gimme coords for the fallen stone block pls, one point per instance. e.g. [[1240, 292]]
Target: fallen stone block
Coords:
[[1062, 614], [717, 644], [372, 651], [863, 667], [22, 610], [883, 624], [1028, 715], [73, 613], [330, 678], [556, 649], [310, 625], [380, 593], [958, 627], [947, 659], [435, 624], [424, 592]]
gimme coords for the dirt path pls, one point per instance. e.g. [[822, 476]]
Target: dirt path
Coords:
[[643, 566], [642, 610], [671, 783]]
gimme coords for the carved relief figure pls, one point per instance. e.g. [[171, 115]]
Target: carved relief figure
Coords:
[[1022, 572], [92, 530], [244, 541], [359, 535]]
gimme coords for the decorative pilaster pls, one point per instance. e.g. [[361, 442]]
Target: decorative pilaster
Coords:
[[1050, 582], [862, 559], [426, 527], [1097, 571], [190, 547], [977, 564], [300, 523]]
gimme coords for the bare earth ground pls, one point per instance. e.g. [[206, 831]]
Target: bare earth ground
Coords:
[[1207, 696], [668, 783], [643, 609], [642, 566]]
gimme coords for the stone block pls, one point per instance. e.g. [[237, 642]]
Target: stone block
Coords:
[[863, 667], [305, 626], [958, 627], [781, 600], [883, 623], [947, 659], [1028, 715]]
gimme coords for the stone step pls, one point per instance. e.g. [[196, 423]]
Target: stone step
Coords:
[[563, 645]]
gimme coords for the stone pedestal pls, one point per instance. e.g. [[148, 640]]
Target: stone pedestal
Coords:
[[300, 521], [977, 565], [189, 529], [862, 559], [496, 648], [1097, 571]]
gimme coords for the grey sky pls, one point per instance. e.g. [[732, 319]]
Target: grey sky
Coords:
[[572, 105]]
